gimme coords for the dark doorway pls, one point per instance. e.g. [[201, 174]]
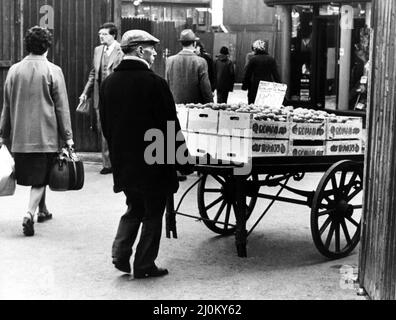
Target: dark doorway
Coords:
[[324, 85]]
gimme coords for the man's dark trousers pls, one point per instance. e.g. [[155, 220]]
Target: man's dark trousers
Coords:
[[147, 209]]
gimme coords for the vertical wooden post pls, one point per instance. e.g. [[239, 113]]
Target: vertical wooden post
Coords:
[[286, 42], [117, 15], [377, 271]]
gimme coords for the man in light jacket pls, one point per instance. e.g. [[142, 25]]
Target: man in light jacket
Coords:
[[187, 73], [107, 57]]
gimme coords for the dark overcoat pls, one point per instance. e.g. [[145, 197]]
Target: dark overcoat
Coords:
[[261, 67], [224, 74], [134, 100]]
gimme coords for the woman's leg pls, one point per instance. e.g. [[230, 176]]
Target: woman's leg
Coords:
[[42, 204], [36, 196], [43, 213]]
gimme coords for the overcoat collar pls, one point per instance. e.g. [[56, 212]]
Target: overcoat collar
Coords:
[[132, 65]]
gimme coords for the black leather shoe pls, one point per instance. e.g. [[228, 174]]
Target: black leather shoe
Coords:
[[43, 217], [157, 272], [106, 171], [28, 226], [122, 265]]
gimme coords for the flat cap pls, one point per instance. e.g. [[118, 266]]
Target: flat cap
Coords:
[[188, 35], [134, 37]]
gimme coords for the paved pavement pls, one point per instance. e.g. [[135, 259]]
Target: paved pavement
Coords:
[[70, 256]]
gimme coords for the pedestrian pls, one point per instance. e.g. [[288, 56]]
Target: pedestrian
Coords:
[[201, 52], [249, 56], [187, 74], [261, 67], [106, 58], [35, 117], [134, 101], [358, 81], [224, 75]]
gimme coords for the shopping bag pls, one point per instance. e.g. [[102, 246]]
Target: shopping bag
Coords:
[[7, 173], [84, 107], [67, 172]]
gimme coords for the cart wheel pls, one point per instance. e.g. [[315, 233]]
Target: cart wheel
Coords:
[[216, 202], [337, 210]]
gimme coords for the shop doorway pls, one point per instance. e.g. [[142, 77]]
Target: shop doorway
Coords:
[[325, 71]]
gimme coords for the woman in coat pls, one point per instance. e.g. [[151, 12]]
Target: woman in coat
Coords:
[[35, 116], [261, 67], [224, 75]]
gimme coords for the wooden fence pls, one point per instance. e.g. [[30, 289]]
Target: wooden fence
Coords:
[[377, 272], [10, 45], [74, 24]]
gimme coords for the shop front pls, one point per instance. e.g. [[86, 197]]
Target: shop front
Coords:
[[325, 49]]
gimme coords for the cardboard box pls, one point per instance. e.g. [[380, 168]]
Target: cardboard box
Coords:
[[353, 129], [243, 125], [308, 131], [307, 150], [182, 115], [200, 144], [344, 147], [234, 149], [203, 121]]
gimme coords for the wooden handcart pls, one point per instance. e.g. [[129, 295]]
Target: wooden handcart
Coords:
[[226, 201]]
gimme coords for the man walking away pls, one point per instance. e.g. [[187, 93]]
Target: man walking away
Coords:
[[224, 75], [187, 73], [133, 102]]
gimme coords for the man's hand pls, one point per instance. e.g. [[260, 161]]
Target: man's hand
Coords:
[[83, 97], [70, 143]]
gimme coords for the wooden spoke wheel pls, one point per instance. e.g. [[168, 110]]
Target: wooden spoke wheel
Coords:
[[216, 202], [337, 210]]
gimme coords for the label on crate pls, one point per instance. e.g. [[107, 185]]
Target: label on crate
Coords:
[[269, 148], [271, 129], [350, 130], [308, 131], [307, 151], [344, 147]]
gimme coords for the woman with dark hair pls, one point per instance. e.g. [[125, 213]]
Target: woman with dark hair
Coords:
[[35, 116], [224, 75], [261, 67]]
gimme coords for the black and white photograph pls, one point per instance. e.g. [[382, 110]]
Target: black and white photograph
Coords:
[[200, 157]]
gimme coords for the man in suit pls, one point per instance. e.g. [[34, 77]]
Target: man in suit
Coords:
[[106, 58], [134, 101], [187, 73]]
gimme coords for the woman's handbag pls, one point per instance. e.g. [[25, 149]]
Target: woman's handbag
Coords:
[[84, 107], [7, 168], [67, 173]]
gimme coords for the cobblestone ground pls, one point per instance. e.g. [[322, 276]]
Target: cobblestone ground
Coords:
[[69, 257]]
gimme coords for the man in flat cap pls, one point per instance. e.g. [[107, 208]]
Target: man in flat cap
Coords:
[[187, 73], [106, 58], [134, 101], [188, 76]]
